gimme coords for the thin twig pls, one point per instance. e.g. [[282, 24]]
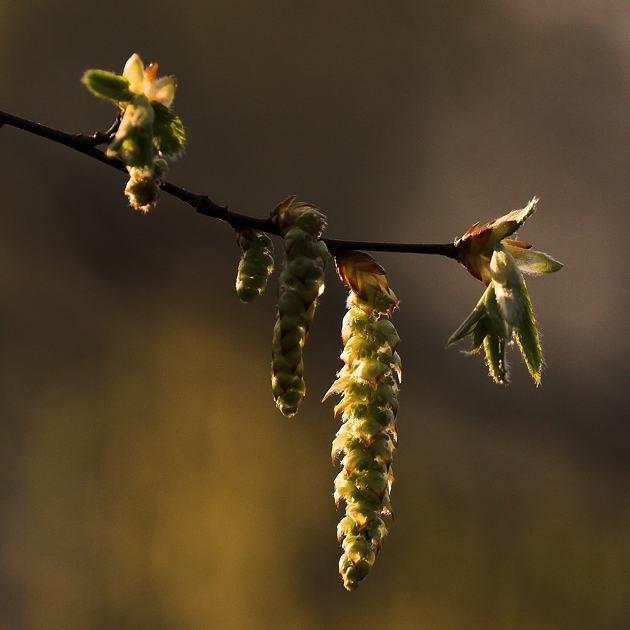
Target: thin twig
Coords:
[[202, 203]]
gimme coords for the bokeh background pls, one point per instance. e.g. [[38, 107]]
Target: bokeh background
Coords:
[[147, 480]]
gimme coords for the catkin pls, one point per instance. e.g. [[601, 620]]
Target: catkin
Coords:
[[300, 284], [256, 263], [365, 442]]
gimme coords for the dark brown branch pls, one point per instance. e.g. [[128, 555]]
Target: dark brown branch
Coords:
[[202, 203]]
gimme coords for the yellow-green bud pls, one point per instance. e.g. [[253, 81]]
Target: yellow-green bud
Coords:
[[256, 264]]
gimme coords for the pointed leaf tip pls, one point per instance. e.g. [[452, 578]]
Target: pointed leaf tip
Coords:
[[107, 85]]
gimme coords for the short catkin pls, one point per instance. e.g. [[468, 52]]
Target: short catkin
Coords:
[[300, 284], [256, 264]]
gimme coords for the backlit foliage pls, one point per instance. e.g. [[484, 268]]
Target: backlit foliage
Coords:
[[149, 131]]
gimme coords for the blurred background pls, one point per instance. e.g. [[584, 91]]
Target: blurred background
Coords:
[[146, 478]]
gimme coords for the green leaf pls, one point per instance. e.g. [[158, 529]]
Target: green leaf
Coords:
[[509, 223], [508, 283], [496, 322], [108, 85], [478, 335], [470, 323], [527, 339], [168, 130], [531, 261], [494, 345]]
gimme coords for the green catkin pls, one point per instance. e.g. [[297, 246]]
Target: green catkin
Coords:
[[256, 263], [366, 440], [300, 284]]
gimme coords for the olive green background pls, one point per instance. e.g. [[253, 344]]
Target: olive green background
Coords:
[[147, 480]]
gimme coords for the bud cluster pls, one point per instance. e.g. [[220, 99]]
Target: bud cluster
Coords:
[[300, 284], [256, 263], [369, 405], [148, 129], [504, 311]]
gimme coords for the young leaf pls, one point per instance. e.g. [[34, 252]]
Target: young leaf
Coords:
[[108, 85], [168, 130]]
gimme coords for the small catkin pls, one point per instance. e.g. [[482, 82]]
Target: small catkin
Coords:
[[256, 263], [369, 404], [300, 284]]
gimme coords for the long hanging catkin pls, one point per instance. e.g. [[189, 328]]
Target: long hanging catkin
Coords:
[[369, 404], [301, 283]]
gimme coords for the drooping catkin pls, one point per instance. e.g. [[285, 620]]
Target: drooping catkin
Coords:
[[369, 404], [256, 263], [300, 284]]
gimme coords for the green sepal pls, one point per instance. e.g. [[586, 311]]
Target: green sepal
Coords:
[[108, 85], [168, 130]]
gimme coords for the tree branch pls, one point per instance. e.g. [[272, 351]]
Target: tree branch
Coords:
[[202, 203]]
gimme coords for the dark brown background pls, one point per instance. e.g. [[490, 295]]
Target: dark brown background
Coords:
[[147, 480]]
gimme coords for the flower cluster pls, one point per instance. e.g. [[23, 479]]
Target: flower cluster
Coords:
[[256, 264], [369, 404], [504, 311], [301, 283], [148, 129]]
